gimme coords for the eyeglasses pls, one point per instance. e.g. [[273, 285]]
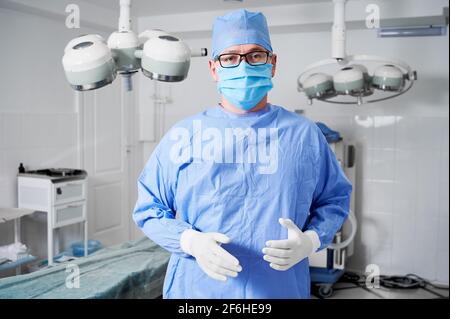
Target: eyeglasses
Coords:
[[232, 60]]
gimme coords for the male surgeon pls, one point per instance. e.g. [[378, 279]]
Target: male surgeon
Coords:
[[243, 192]]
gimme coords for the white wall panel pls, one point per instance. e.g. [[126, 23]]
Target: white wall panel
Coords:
[[108, 212]]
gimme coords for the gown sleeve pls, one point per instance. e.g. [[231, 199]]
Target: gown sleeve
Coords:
[[154, 212], [331, 199]]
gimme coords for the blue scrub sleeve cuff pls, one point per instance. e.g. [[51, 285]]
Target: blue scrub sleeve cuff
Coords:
[[325, 237], [166, 232], [314, 239]]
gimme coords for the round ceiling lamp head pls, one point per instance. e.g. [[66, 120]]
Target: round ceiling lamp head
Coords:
[[123, 46], [150, 34], [349, 80], [319, 85], [388, 78], [166, 58], [88, 63], [368, 90]]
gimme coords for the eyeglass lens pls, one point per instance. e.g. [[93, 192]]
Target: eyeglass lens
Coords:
[[252, 58]]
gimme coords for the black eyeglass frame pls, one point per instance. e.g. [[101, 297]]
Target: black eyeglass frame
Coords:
[[269, 55]]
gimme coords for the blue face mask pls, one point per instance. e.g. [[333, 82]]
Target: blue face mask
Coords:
[[246, 85]]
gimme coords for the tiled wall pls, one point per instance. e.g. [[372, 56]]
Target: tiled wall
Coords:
[[401, 191]]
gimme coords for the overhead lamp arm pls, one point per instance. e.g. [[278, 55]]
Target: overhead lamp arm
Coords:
[[125, 16], [339, 31]]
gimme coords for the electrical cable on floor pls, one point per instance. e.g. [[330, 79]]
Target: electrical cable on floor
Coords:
[[409, 281], [402, 282]]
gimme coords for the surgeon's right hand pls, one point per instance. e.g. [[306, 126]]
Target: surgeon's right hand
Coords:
[[215, 261]]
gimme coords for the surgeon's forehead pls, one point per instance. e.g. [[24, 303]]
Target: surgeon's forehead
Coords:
[[243, 48]]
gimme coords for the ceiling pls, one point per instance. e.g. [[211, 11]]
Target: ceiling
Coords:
[[162, 7]]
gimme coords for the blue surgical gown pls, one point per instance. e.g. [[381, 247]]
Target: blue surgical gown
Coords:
[[243, 198]]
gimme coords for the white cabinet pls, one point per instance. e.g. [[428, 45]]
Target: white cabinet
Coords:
[[64, 202]]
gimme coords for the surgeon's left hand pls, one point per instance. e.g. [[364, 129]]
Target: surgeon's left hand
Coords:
[[283, 254]]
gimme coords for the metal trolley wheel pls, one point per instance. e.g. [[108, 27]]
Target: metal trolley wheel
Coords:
[[324, 291]]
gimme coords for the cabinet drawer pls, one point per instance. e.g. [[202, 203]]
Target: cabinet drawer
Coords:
[[68, 214], [69, 192]]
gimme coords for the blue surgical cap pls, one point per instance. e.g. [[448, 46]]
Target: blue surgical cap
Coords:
[[240, 27]]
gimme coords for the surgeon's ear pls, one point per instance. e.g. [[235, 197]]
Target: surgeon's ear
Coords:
[[213, 70], [274, 63]]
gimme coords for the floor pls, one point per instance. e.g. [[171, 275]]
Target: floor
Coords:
[[343, 291]]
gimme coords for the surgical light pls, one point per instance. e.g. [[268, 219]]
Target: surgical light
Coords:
[[166, 58], [123, 46], [319, 85], [388, 78], [351, 80], [90, 62]]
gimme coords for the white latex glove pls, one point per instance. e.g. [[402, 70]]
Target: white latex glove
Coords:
[[215, 261], [283, 254]]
